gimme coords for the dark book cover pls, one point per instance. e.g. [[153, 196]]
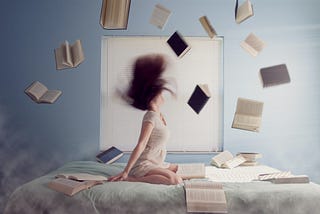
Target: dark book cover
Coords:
[[178, 44], [110, 155], [274, 75], [199, 98]]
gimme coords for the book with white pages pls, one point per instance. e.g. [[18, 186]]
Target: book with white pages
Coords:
[[226, 160], [39, 93], [160, 16], [207, 26], [283, 177], [244, 11], [205, 197], [191, 170], [234, 162], [253, 44], [248, 115]]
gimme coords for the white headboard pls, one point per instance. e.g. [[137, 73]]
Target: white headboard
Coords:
[[120, 123]]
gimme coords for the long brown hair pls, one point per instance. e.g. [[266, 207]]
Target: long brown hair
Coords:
[[147, 80]]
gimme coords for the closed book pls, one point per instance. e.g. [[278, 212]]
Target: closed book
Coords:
[[199, 97], [274, 75], [110, 155], [178, 44]]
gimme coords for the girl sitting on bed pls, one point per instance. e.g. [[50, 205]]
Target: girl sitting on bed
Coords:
[[146, 163]]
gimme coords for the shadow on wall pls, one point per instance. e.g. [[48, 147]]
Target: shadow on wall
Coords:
[[17, 157]]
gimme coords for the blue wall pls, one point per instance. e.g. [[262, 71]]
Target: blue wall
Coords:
[[35, 139]]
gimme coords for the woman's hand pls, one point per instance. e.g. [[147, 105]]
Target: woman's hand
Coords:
[[120, 177]]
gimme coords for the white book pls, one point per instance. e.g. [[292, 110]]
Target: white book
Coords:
[[283, 177], [160, 16], [234, 162], [221, 158], [82, 177], [69, 56], [39, 93], [243, 12], [205, 196], [207, 26], [248, 115], [252, 44], [191, 170], [115, 14]]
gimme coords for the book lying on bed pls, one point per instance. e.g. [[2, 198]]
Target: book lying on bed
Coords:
[[226, 160], [110, 155], [283, 178], [251, 158], [82, 177], [205, 196], [41, 94], [71, 187], [69, 56], [191, 170]]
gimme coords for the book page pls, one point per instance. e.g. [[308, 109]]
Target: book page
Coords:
[[59, 55], [234, 162], [50, 96], [192, 170], [67, 58], [160, 16], [36, 90], [77, 53], [249, 107]]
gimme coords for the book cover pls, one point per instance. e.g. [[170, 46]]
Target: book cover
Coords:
[[110, 155], [274, 75], [207, 26], [252, 44], [178, 44], [243, 12], [199, 97], [160, 16]]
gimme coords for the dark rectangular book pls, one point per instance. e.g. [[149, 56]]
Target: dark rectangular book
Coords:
[[199, 97], [110, 155], [274, 75], [178, 44]]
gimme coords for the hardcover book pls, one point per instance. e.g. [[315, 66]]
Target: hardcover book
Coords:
[[39, 93], [205, 197], [69, 56], [178, 44], [252, 44], [243, 12], [199, 97], [248, 115], [115, 14], [274, 75], [207, 26], [110, 155], [160, 16]]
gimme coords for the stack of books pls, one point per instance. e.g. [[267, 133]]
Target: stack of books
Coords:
[[250, 157]]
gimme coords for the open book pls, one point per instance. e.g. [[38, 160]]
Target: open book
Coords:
[[41, 94], [205, 196], [71, 187], [199, 97], [69, 56], [178, 44], [207, 26], [82, 177], [283, 178], [160, 16], [248, 115], [191, 170], [243, 12], [252, 44], [115, 14], [226, 160]]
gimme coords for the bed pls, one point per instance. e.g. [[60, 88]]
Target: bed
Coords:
[[255, 197]]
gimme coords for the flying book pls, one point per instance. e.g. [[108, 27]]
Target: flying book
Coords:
[[71, 187], [115, 14], [199, 97], [160, 16], [178, 44], [207, 26], [191, 170], [226, 160], [69, 56], [274, 75], [243, 12], [248, 115], [252, 44], [205, 197], [110, 155], [41, 94]]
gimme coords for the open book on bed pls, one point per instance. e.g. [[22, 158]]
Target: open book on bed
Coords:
[[191, 170]]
